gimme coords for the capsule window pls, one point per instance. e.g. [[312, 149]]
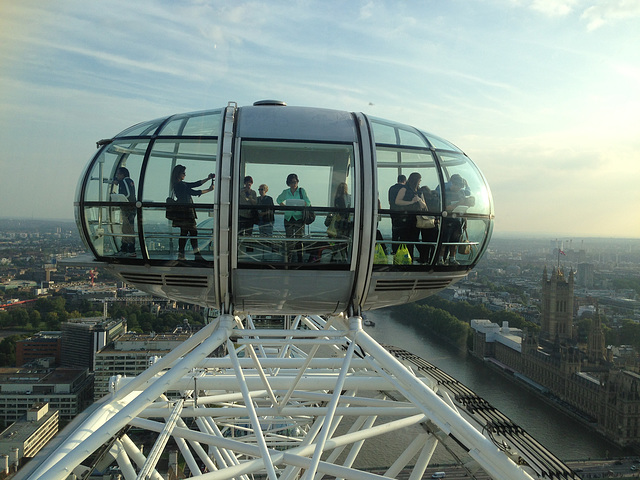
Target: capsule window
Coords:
[[202, 125], [478, 198], [428, 220], [391, 133], [399, 240], [110, 200], [290, 180], [439, 143], [144, 129], [179, 236]]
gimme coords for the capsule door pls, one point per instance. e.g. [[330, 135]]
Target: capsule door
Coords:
[[294, 217]]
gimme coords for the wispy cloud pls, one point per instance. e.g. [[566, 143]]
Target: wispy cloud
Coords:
[[595, 13], [609, 12], [554, 8]]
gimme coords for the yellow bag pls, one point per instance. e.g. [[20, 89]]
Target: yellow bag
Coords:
[[467, 247], [380, 256], [464, 249], [402, 257]]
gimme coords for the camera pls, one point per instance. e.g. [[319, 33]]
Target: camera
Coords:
[[212, 175]]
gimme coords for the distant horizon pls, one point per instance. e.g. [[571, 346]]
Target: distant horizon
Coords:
[[540, 236]]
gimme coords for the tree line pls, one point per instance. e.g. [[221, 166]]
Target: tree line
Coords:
[[48, 313], [451, 320]]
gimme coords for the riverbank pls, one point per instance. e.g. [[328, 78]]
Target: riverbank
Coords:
[[547, 398], [628, 452], [564, 435]]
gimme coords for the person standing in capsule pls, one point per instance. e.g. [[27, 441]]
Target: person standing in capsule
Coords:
[[127, 188], [398, 220], [187, 222], [410, 199], [456, 194], [265, 214], [247, 217], [293, 221]]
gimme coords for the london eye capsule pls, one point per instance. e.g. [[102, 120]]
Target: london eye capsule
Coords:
[[308, 213]]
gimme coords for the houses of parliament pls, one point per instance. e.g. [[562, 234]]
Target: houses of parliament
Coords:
[[584, 380]]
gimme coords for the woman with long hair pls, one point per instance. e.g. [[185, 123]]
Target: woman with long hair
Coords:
[[184, 192], [410, 199], [343, 220], [342, 199]]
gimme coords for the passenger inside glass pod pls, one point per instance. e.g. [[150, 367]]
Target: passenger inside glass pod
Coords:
[[293, 219], [186, 221], [457, 199]]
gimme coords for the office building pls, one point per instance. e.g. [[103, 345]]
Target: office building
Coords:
[[130, 356], [83, 337], [28, 435], [68, 390], [42, 345], [585, 275]]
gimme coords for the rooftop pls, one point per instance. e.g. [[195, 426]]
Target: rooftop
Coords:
[[59, 375], [21, 430]]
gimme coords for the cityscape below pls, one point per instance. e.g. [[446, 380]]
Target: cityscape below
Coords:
[[572, 332]]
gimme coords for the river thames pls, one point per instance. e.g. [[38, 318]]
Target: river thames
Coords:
[[566, 437]]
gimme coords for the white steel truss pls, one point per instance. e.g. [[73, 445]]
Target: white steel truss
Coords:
[[300, 402]]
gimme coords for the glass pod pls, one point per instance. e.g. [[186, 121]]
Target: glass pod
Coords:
[[278, 209]]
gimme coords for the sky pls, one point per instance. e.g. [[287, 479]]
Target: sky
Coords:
[[543, 95]]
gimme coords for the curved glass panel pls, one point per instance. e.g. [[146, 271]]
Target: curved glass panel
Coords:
[[169, 239], [145, 129], [198, 156], [163, 240], [472, 195], [112, 181], [440, 143], [403, 175], [391, 133], [200, 124], [462, 240], [422, 223], [270, 214]]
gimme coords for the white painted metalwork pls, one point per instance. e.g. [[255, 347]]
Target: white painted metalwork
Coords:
[[292, 403]]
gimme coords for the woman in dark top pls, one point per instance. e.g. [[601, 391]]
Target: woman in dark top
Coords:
[[410, 199], [187, 222], [343, 220], [429, 236], [127, 188], [342, 200], [266, 215], [247, 217]]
